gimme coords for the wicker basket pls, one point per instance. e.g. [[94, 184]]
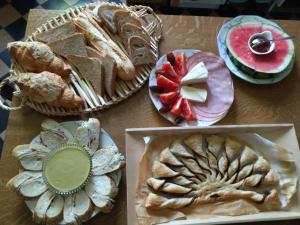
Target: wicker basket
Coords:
[[92, 102]]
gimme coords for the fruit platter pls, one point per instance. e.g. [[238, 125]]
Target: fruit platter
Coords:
[[233, 47]]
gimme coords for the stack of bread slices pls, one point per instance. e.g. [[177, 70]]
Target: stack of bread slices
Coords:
[[97, 68], [129, 27]]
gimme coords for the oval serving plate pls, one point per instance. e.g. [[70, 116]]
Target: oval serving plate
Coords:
[[105, 141], [157, 103], [221, 39], [92, 102]]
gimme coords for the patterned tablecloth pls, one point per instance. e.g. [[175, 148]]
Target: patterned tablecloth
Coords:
[[13, 19]]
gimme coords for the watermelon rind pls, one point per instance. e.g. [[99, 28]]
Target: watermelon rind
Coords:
[[255, 73]]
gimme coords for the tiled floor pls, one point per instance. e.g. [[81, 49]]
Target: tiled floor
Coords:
[[13, 19]]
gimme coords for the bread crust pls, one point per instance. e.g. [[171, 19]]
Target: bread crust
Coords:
[[90, 68], [110, 70], [129, 29], [69, 45], [57, 33], [106, 12], [139, 51], [123, 16]]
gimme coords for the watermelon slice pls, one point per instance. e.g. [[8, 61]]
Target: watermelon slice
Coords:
[[259, 66]]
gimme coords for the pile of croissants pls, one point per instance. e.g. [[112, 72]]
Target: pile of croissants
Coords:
[[43, 82]]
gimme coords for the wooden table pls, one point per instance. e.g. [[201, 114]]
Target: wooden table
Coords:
[[278, 103]]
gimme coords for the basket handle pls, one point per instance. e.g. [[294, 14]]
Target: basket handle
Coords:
[[16, 93], [142, 11]]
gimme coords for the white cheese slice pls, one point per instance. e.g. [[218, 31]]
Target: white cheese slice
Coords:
[[193, 94], [197, 74]]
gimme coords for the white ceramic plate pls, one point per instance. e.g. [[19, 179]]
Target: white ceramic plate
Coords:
[[158, 104], [105, 141], [221, 42]]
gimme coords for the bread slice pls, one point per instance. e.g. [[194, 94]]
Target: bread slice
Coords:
[[101, 189], [87, 135], [30, 184], [32, 188], [70, 45], [139, 51], [31, 156], [116, 176], [49, 208], [54, 213], [77, 208], [52, 140], [43, 203], [54, 134], [91, 69], [130, 29], [56, 128], [110, 70], [107, 160], [106, 13], [123, 16], [57, 33]]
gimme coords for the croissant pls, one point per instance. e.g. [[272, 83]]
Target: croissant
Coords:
[[47, 87], [37, 57]]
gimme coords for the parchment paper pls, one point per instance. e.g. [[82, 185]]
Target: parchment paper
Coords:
[[281, 161]]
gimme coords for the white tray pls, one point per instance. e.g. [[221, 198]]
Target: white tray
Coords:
[[281, 134]]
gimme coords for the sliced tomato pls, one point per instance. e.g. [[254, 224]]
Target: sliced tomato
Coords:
[[168, 98], [165, 108], [161, 72], [171, 73], [180, 64], [187, 110], [176, 109], [165, 83]]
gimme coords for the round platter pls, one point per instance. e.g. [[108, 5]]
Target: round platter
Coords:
[[157, 103], [151, 24], [221, 40], [105, 141]]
